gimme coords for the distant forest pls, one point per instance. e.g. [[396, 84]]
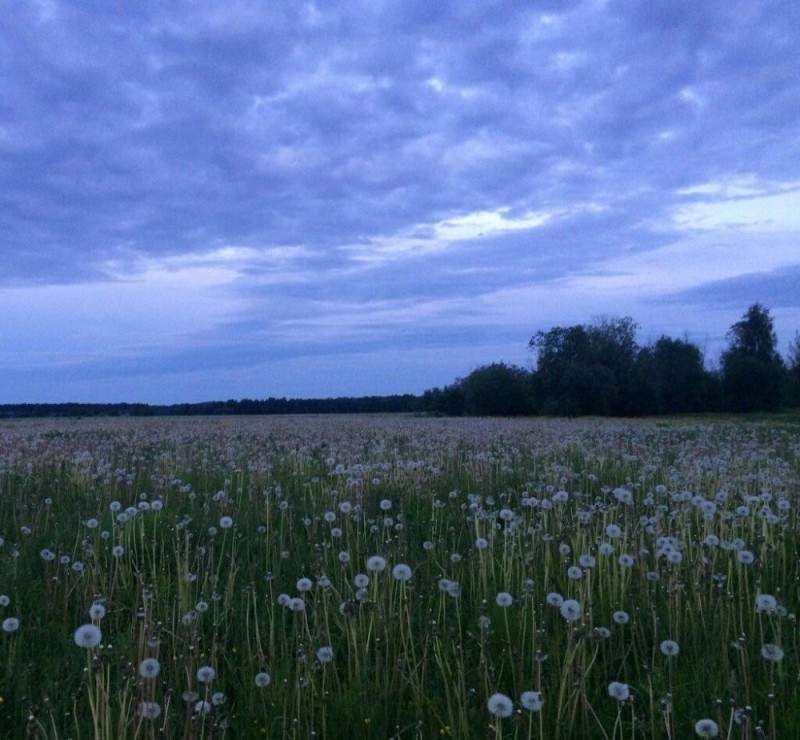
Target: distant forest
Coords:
[[583, 370]]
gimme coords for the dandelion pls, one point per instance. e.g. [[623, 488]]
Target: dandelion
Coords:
[[361, 580], [149, 668], [554, 599], [206, 674], [574, 572], [587, 561], [670, 648], [772, 653], [500, 705], [385, 504], [706, 728], [329, 516], [118, 551], [88, 636], [201, 606], [225, 522], [766, 603], [570, 610], [623, 495], [297, 604], [325, 654], [218, 698], [202, 707], [47, 555], [97, 611], [613, 531], [4, 600], [531, 700], [262, 679], [304, 584], [401, 572], [344, 557], [619, 691], [625, 560], [745, 557], [481, 543], [605, 548], [10, 624], [621, 617], [149, 710], [504, 599], [376, 563]]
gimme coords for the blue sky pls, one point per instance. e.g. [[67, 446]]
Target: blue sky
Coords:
[[204, 200]]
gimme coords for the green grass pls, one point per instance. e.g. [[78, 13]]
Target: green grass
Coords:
[[410, 658]]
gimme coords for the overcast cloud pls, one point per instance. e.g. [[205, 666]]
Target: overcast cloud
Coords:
[[205, 200]]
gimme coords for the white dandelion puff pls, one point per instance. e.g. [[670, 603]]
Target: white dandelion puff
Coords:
[[500, 705]]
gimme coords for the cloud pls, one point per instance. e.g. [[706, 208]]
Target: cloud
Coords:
[[184, 182]]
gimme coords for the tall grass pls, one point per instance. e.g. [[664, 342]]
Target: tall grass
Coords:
[[399, 577]]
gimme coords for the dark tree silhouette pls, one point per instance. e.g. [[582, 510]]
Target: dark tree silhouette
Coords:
[[753, 373]]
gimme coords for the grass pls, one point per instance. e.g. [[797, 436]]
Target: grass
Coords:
[[197, 535]]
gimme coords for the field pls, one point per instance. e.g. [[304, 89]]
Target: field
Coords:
[[397, 577]]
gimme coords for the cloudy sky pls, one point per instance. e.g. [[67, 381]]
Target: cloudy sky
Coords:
[[204, 200]]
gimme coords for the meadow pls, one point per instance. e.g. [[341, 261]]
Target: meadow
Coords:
[[399, 577]]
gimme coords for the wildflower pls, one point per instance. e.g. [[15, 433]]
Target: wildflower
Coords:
[[587, 561], [217, 698], [4, 600], [385, 504], [570, 610], [554, 599], [297, 604], [325, 654], [329, 516], [504, 599], [262, 679], [149, 668], [376, 563], [428, 545], [613, 530], [88, 636], [745, 557], [500, 705], [625, 560], [605, 548], [401, 572], [201, 606], [531, 700], [344, 557], [304, 584], [772, 653], [574, 572], [47, 555], [118, 551], [455, 558], [766, 603], [619, 691], [202, 707], [706, 728], [481, 543], [97, 611], [225, 522], [505, 515], [621, 617], [623, 495], [10, 624], [670, 648], [149, 710], [206, 674]]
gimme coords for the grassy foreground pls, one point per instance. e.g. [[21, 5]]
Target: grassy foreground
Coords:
[[397, 577]]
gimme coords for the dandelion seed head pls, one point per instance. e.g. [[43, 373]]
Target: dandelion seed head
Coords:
[[619, 691], [500, 705], [88, 636], [401, 572], [504, 599], [262, 679], [706, 728], [531, 700]]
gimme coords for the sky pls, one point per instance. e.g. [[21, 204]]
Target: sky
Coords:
[[245, 199]]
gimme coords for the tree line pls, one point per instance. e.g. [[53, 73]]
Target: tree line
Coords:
[[594, 369], [599, 369]]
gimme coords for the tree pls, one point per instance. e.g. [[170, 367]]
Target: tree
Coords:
[[794, 371], [672, 378], [753, 373], [497, 390], [586, 369]]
